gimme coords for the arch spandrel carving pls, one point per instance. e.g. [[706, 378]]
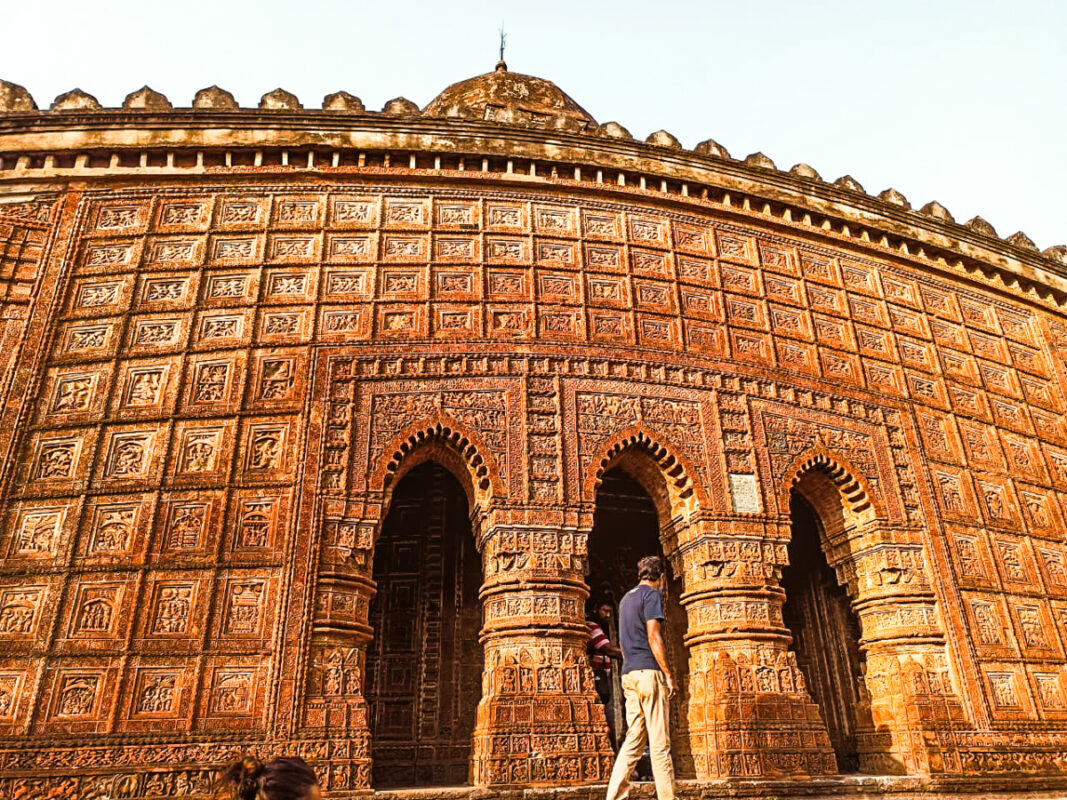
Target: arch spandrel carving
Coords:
[[455, 446], [602, 418], [870, 450], [660, 465]]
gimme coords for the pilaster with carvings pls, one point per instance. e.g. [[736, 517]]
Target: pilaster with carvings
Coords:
[[913, 703], [750, 713], [539, 720]]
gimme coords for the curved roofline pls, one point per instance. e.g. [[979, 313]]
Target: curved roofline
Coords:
[[28, 134]]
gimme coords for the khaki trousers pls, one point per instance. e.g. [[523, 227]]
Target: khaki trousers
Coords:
[[648, 720]]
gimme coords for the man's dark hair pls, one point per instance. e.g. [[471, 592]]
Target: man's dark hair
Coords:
[[650, 568], [278, 779], [593, 604]]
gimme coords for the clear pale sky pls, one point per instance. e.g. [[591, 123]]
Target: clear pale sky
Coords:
[[955, 101]]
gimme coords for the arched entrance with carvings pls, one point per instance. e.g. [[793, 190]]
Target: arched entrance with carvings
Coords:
[[826, 633], [424, 665], [626, 527]]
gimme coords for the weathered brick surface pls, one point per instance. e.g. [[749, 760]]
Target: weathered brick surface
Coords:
[[213, 380]]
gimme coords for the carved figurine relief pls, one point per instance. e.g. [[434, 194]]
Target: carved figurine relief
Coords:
[[73, 393], [56, 460], [114, 529], [37, 533], [19, 609], [77, 696], [172, 609], [186, 526], [244, 608], [129, 455], [157, 694]]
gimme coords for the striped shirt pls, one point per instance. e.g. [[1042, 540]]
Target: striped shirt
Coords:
[[598, 642]]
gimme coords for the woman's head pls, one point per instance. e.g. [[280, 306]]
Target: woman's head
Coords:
[[277, 779]]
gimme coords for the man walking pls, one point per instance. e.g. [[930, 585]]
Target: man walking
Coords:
[[647, 683]]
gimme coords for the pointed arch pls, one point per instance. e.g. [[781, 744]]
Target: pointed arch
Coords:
[[655, 462], [462, 452], [834, 488]]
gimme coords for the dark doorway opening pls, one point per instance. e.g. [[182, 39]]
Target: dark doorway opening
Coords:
[[625, 529], [424, 666], [825, 632]]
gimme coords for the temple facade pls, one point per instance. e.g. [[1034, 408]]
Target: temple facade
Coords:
[[320, 426]]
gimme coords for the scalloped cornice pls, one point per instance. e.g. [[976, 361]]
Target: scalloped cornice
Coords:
[[345, 125]]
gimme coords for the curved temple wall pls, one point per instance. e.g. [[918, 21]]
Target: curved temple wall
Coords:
[[215, 371]]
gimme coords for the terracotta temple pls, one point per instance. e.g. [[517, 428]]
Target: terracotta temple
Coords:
[[318, 425]]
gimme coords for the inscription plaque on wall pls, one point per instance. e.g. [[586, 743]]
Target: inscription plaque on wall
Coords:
[[745, 494]]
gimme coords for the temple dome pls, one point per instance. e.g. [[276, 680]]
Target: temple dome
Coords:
[[503, 96]]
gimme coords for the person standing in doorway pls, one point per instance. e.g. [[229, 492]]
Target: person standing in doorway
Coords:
[[647, 683], [598, 612]]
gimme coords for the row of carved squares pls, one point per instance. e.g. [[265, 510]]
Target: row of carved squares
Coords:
[[133, 455], [99, 694], [233, 326], [100, 295], [66, 401], [964, 495], [234, 610], [98, 338], [976, 331], [994, 560], [153, 611], [119, 217], [229, 211], [288, 286], [229, 325], [884, 344], [196, 527], [116, 292], [919, 295], [218, 250], [1007, 626], [760, 348], [989, 448], [515, 320], [161, 385], [1025, 691], [986, 448]]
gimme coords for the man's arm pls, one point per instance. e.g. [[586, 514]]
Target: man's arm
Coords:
[[655, 641], [602, 644]]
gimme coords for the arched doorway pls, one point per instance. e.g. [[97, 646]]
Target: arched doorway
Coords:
[[424, 666], [626, 527], [826, 633]]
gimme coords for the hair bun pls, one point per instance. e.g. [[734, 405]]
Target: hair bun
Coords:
[[248, 782], [251, 767]]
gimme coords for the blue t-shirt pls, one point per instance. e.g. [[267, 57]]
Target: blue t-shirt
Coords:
[[639, 605]]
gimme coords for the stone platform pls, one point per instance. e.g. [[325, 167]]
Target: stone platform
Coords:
[[860, 787]]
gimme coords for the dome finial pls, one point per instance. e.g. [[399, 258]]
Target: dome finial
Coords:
[[502, 65]]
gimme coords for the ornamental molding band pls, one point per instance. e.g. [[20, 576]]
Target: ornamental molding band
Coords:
[[318, 428]]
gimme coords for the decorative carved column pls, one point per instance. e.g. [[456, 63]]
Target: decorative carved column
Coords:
[[750, 714], [913, 704], [539, 720], [334, 703]]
